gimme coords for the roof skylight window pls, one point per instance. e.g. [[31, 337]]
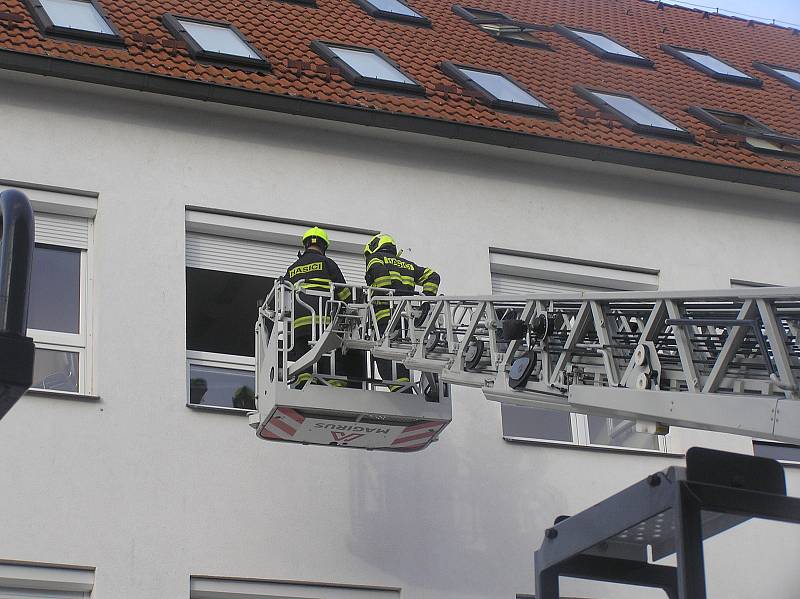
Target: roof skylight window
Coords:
[[634, 113], [757, 136], [394, 10], [503, 27], [497, 90], [787, 75], [603, 46], [711, 65], [367, 67], [215, 41], [83, 19]]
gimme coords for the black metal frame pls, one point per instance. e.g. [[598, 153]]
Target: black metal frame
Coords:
[[173, 23], [16, 262], [569, 33], [453, 70], [588, 94], [761, 132], [677, 52], [500, 18], [770, 69], [609, 541], [378, 13], [45, 23], [355, 78], [707, 115]]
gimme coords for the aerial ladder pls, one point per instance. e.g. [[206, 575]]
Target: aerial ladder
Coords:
[[726, 361]]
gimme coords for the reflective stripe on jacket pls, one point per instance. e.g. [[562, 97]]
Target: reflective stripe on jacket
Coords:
[[387, 271], [313, 271]]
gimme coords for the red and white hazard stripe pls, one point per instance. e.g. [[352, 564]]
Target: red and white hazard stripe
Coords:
[[282, 425], [417, 436]]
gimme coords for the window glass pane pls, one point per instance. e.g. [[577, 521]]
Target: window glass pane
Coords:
[[501, 88], [534, 423], [223, 387], [606, 44], [393, 6], [777, 451], [793, 75], [369, 64], [638, 112], [221, 310], [739, 120], [76, 15], [56, 370], [714, 64], [55, 296], [619, 433], [774, 146], [217, 38]]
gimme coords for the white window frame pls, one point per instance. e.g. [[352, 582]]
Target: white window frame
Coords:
[[53, 201], [209, 587], [268, 231], [578, 272], [45, 581], [78, 343]]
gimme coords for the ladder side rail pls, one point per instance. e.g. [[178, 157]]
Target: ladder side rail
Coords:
[[773, 293]]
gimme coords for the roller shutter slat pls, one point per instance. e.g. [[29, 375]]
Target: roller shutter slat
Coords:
[[258, 258], [511, 285], [58, 229]]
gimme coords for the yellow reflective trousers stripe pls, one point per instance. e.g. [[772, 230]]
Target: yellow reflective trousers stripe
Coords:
[[305, 321], [394, 388]]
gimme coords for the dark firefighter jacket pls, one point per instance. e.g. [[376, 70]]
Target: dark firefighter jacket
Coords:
[[314, 272], [385, 270]]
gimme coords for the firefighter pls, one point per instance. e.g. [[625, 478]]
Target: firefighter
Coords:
[[313, 271], [386, 270]]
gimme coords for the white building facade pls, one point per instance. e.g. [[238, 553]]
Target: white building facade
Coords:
[[158, 216]]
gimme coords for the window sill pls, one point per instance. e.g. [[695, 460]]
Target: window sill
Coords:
[[219, 409], [62, 395], [596, 448]]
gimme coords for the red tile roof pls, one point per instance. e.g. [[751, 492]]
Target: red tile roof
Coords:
[[282, 31]]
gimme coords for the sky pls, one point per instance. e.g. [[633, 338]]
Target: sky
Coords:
[[780, 10]]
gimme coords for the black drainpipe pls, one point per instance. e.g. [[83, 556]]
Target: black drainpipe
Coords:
[[16, 260]]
